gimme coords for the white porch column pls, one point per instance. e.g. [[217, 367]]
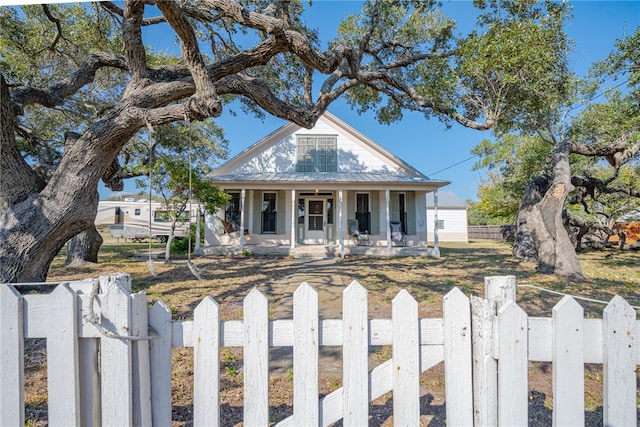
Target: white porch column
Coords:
[[294, 217], [242, 195], [426, 219], [387, 196], [435, 220], [340, 229]]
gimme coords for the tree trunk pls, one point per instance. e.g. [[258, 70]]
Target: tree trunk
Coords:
[[37, 220], [542, 234], [84, 247]]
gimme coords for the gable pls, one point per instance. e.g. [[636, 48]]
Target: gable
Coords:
[[355, 153]]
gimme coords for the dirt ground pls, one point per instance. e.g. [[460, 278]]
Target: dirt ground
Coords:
[[229, 280]]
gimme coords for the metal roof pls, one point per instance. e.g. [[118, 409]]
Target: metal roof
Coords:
[[447, 199], [326, 178]]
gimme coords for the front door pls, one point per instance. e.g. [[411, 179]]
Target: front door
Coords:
[[316, 222]]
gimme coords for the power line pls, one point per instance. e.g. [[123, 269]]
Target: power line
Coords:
[[456, 164], [584, 103], [581, 104]]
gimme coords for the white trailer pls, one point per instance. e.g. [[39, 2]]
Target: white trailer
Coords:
[[130, 219]]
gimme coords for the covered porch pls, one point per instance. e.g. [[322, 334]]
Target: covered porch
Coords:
[[291, 218]]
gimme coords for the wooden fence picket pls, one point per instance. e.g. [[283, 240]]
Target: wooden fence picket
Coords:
[[141, 366], [206, 363], [619, 367], [485, 366], [256, 359], [11, 357], [305, 356], [62, 350], [116, 388], [406, 360], [568, 363], [355, 351], [160, 360], [512, 366], [457, 356]]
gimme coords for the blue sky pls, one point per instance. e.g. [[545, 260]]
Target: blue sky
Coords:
[[427, 145]]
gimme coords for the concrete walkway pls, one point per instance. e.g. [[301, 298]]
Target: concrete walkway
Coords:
[[322, 275]]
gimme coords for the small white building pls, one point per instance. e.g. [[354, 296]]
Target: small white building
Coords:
[[453, 225], [318, 186]]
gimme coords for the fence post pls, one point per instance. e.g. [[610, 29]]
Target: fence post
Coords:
[[11, 357], [498, 290]]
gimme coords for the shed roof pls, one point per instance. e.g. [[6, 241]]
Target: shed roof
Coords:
[[447, 199]]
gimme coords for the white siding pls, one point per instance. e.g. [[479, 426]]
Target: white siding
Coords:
[[455, 224], [281, 156]]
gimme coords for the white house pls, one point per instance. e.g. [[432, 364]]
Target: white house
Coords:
[[317, 186]]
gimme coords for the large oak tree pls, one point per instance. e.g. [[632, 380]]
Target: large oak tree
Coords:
[[573, 173], [392, 57]]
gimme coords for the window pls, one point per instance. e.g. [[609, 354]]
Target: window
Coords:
[[300, 211], [161, 216], [232, 213], [440, 224], [269, 214], [363, 215], [317, 154], [137, 212]]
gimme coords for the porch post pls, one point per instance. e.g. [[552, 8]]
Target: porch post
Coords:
[[242, 195], [435, 220], [340, 230], [387, 195], [294, 217], [426, 219]]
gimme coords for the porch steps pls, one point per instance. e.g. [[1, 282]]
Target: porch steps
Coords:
[[320, 251]]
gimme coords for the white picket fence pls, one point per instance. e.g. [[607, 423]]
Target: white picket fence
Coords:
[[485, 344]]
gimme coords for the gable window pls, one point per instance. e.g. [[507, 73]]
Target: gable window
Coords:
[[316, 154]]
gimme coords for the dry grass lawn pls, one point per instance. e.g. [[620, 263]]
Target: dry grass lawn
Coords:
[[229, 280]]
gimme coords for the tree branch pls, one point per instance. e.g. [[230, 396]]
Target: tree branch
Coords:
[[132, 37], [56, 21], [617, 153], [205, 102], [56, 94]]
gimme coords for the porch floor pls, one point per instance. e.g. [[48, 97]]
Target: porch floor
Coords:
[[322, 251]]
